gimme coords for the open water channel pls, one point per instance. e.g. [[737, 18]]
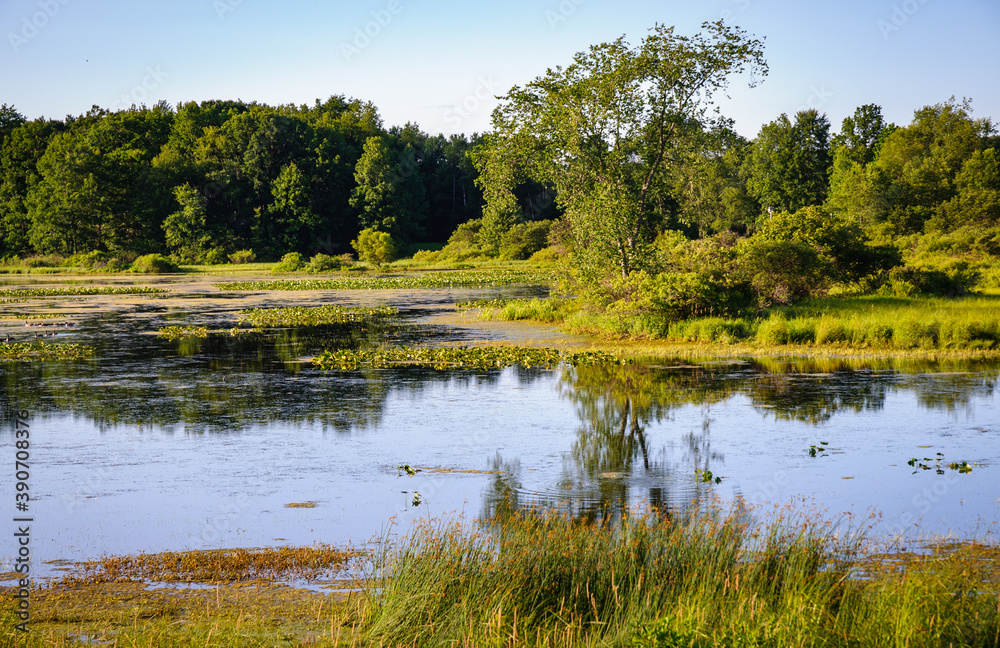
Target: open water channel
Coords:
[[157, 445]]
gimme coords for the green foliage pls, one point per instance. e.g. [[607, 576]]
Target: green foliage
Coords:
[[43, 351], [461, 279], [787, 167], [241, 257], [324, 263], [374, 247], [479, 358], [782, 272], [524, 239], [186, 230], [315, 316], [72, 291], [635, 105], [843, 247], [291, 262], [154, 264]]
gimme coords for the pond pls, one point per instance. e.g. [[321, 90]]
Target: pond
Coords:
[[157, 445]]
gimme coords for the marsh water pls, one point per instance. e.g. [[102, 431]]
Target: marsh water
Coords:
[[157, 445]]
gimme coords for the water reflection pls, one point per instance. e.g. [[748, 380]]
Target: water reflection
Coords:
[[628, 448]]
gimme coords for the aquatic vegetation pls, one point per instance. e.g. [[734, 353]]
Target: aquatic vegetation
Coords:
[[707, 477], [459, 279], [301, 505], [219, 565], [74, 291], [818, 450], [481, 358], [43, 351], [962, 467], [174, 333], [312, 316], [709, 578]]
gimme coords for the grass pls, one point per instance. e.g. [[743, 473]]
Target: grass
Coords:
[[886, 325], [713, 579]]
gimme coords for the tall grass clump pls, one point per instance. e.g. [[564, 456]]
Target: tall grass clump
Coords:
[[712, 578]]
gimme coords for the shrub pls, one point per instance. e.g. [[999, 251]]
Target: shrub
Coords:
[[524, 239], [240, 257], [782, 272], [88, 260], [215, 256], [324, 263], [374, 247], [291, 262], [546, 256], [154, 264]]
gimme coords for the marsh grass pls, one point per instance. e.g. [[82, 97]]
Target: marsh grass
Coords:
[[711, 579], [881, 324]]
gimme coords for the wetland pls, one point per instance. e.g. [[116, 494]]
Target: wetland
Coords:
[[244, 418]]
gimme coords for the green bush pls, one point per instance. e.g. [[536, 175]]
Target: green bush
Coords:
[[240, 257], [324, 263], [88, 260], [291, 262], [374, 247], [782, 272], [524, 239], [215, 256], [546, 256], [154, 264]]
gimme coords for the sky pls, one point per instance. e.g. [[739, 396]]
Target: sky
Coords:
[[441, 63]]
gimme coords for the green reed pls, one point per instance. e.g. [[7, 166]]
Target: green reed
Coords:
[[710, 579]]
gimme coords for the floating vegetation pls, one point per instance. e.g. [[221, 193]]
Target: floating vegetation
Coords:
[[495, 303], [302, 505], [463, 279], [219, 565], [72, 291], [707, 477], [963, 467], [174, 333], [33, 316], [497, 357], [41, 351], [818, 450], [314, 316]]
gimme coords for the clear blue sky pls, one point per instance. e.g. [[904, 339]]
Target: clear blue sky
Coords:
[[438, 62]]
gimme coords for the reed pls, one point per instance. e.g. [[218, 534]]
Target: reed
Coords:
[[713, 578]]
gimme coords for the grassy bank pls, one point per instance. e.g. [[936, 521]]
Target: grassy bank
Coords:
[[716, 578], [713, 580], [879, 324]]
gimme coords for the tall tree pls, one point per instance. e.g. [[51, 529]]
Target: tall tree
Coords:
[[603, 131], [789, 162]]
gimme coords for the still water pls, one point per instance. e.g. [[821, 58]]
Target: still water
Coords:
[[156, 445]]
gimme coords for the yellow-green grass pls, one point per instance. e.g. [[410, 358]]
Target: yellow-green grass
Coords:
[[870, 326], [713, 579]]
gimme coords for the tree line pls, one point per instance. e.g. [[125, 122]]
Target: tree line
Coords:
[[623, 149], [206, 179]]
